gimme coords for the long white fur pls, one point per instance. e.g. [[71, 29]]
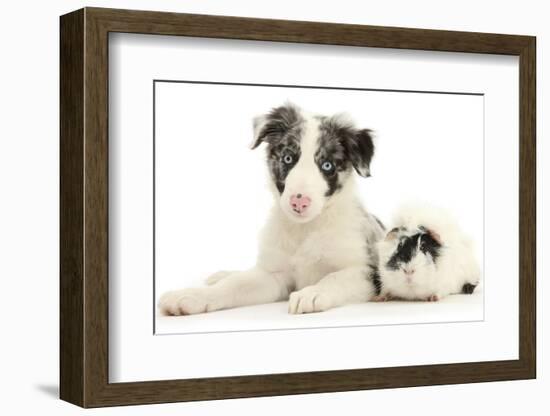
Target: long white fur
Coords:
[[317, 261], [456, 265]]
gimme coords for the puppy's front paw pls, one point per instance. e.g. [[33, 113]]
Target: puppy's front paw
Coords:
[[187, 301], [309, 299]]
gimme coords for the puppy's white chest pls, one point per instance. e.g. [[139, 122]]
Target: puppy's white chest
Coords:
[[319, 255], [307, 266]]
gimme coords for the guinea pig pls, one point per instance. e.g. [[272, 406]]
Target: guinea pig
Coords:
[[425, 256]]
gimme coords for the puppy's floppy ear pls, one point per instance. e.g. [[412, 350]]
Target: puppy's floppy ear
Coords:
[[357, 143], [273, 126], [258, 124], [360, 149]]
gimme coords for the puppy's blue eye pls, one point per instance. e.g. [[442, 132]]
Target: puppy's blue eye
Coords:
[[327, 166], [288, 159]]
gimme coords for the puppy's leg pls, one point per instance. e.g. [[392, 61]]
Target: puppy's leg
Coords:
[[350, 285], [244, 288], [216, 277]]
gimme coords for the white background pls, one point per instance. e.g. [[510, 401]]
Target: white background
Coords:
[[29, 224]]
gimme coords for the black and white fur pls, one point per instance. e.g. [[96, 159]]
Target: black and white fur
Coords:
[[318, 258], [425, 256]]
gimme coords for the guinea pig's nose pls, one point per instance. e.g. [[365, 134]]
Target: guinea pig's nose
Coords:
[[408, 271]]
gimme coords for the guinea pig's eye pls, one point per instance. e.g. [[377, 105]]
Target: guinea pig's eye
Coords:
[[288, 159], [327, 166]]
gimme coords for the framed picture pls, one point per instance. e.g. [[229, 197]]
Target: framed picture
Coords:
[[257, 207]]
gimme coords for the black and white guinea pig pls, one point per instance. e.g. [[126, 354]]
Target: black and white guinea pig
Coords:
[[425, 256]]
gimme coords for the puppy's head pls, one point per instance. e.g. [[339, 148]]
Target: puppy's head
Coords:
[[310, 158]]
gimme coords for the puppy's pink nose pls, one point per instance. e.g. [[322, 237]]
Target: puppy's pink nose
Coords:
[[299, 203]]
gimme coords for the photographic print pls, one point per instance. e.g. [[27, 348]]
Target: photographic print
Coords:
[[308, 207]]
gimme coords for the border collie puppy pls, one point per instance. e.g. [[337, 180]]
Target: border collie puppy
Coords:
[[317, 249]]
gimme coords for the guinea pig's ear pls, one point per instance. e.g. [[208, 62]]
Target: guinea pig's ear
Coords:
[[360, 150], [271, 127], [433, 234], [392, 235]]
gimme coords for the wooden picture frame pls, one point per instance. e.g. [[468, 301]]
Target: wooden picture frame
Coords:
[[84, 207]]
